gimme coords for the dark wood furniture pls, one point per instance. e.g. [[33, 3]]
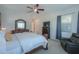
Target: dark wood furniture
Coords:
[[19, 31], [46, 29], [45, 32]]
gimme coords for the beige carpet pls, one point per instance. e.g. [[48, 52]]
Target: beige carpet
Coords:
[[54, 47]]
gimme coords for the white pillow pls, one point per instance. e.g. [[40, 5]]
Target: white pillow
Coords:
[[2, 42]]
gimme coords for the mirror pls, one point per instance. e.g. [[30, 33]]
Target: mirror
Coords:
[[20, 24]]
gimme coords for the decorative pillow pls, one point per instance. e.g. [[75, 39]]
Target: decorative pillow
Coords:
[[8, 36]]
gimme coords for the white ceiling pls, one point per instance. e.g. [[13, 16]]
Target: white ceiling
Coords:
[[47, 7]]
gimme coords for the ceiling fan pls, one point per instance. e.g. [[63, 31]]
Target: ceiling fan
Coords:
[[35, 8]]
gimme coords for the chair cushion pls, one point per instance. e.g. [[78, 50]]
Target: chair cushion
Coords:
[[75, 35], [75, 38]]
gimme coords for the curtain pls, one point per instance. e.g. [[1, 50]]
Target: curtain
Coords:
[[78, 24], [58, 31]]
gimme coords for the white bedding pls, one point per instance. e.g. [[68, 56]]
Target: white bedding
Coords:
[[29, 41], [21, 43], [2, 42], [13, 46]]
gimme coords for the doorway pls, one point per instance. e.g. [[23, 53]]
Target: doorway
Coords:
[[36, 26]]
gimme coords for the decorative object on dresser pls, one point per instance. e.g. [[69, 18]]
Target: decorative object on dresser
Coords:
[[46, 29]]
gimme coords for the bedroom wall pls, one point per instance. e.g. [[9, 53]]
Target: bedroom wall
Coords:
[[53, 19], [9, 17], [74, 12]]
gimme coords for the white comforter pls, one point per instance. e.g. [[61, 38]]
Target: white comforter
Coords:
[[13, 46], [29, 41]]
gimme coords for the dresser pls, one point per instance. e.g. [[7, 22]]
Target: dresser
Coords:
[[19, 31], [46, 29]]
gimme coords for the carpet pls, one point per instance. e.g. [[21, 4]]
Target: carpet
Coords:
[[54, 47]]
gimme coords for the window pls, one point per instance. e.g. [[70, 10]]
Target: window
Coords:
[[20, 25], [66, 23]]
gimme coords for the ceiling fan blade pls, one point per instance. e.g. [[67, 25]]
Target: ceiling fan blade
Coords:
[[37, 12], [37, 5], [29, 7], [41, 9], [29, 11]]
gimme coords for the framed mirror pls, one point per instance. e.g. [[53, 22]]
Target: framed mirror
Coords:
[[20, 24]]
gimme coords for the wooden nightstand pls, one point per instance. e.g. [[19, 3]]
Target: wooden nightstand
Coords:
[[45, 32]]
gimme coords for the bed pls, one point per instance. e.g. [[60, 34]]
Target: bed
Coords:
[[30, 41], [25, 42]]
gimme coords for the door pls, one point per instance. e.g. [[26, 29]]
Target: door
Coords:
[[36, 26]]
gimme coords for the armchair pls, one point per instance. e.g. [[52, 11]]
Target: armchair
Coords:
[[71, 45]]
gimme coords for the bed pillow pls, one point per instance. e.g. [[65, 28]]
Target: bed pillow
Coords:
[[8, 36], [2, 42]]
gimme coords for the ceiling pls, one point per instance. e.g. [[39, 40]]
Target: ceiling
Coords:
[[47, 7]]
